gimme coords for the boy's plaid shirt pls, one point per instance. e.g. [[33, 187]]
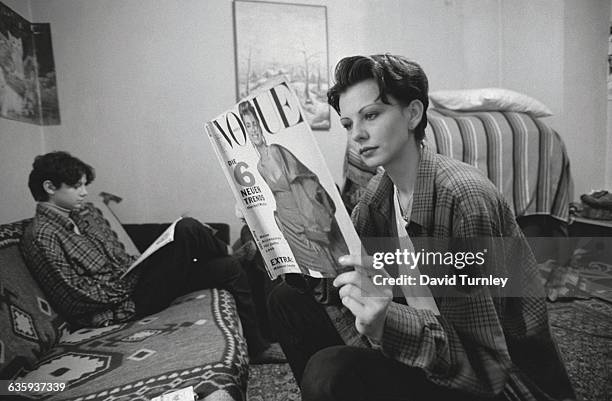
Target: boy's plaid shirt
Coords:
[[80, 273]]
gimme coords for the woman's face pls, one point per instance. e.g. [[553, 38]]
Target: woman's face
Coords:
[[253, 129], [380, 130]]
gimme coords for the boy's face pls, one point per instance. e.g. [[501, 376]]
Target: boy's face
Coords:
[[70, 196]]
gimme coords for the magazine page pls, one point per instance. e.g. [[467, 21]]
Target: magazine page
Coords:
[[165, 238], [282, 184]]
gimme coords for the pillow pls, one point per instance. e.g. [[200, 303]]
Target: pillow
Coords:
[[29, 327], [116, 226], [489, 99]]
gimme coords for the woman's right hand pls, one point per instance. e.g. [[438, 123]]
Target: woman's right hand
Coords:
[[367, 301]]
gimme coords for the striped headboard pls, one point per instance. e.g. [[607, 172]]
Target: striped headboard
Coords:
[[521, 155]]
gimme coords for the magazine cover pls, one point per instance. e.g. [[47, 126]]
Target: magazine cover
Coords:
[[282, 184]]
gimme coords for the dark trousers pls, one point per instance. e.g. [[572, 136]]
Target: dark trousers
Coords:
[[327, 370], [260, 283], [196, 260]]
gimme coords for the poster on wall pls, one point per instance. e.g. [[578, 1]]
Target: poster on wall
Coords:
[[28, 88], [47, 84], [274, 39]]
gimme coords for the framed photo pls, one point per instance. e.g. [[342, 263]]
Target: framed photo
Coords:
[[273, 39]]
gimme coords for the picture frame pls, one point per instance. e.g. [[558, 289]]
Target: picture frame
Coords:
[[273, 39]]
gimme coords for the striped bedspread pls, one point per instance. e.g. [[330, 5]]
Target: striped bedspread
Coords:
[[521, 155]]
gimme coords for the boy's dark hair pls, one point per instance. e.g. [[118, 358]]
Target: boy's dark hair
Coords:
[[396, 76], [59, 168]]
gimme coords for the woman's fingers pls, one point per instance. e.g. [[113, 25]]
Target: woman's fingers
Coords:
[[352, 277], [350, 290], [362, 262], [358, 285], [350, 260], [356, 307]]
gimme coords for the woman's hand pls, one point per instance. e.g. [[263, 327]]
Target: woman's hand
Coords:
[[368, 302]]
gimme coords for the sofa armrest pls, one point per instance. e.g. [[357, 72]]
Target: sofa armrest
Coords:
[[143, 235]]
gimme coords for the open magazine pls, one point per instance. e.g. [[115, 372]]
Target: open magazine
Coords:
[[282, 184], [165, 238]]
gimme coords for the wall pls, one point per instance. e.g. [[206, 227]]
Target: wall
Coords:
[[608, 167], [609, 130], [19, 144], [553, 50], [137, 79], [584, 110]]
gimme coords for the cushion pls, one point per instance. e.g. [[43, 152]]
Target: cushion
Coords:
[[489, 99], [194, 342], [28, 325], [116, 226]]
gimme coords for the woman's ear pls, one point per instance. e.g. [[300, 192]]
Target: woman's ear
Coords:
[[49, 187], [415, 113]]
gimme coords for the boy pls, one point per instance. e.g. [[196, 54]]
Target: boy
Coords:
[[78, 261]]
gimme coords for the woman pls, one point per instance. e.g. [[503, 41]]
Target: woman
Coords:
[[374, 347], [304, 210]]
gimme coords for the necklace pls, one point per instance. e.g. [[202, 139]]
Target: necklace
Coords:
[[405, 206]]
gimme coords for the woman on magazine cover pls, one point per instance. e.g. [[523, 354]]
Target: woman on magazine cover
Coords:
[[304, 210], [371, 346]]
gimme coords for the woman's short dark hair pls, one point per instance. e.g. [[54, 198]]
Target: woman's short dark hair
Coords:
[[59, 168], [396, 76]]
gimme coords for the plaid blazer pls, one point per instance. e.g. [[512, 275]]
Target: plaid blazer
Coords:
[[482, 344]]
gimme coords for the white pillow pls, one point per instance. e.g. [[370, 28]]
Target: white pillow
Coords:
[[489, 99]]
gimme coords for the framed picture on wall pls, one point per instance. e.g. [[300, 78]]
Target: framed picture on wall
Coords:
[[273, 39]]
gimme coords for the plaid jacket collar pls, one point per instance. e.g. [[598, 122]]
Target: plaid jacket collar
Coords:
[[48, 214], [422, 215]]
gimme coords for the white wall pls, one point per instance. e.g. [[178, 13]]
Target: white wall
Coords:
[[19, 144], [584, 110], [609, 130], [608, 171], [137, 79]]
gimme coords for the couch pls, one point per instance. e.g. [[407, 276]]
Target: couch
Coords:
[[197, 341]]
